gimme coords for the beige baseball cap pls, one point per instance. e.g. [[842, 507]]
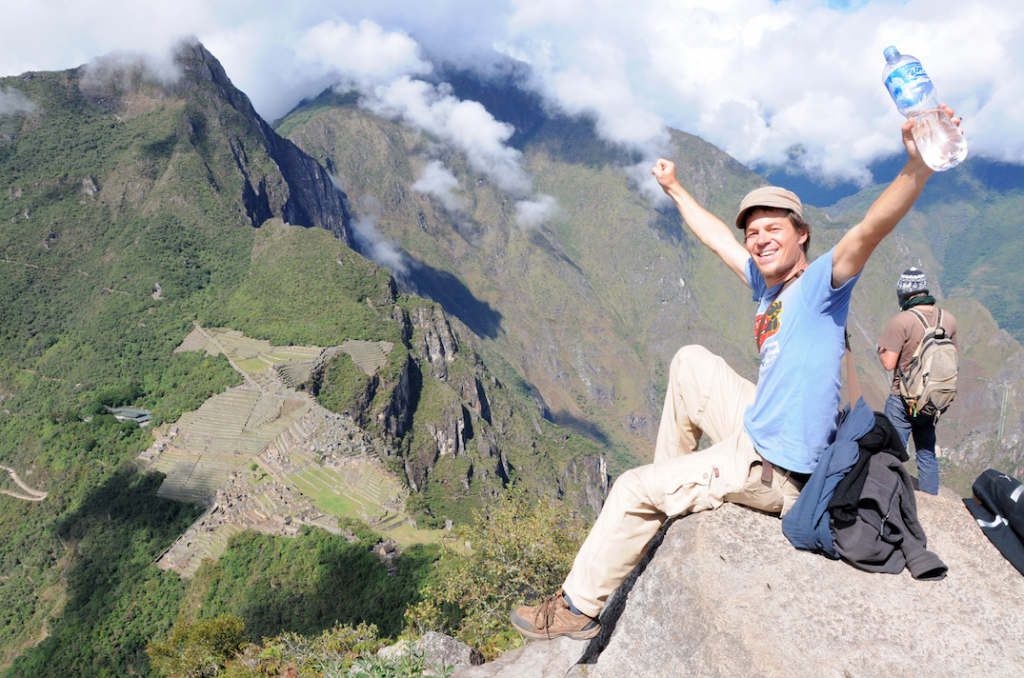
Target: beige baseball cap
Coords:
[[769, 196]]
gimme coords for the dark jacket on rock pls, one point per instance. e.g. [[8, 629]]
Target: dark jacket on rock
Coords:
[[807, 523], [886, 535], [882, 438], [998, 506]]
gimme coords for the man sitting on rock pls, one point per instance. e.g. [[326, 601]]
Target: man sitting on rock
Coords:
[[765, 440]]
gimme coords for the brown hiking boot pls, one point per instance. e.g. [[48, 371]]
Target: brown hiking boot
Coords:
[[553, 619]]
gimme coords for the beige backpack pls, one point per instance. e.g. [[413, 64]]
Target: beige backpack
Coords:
[[928, 385]]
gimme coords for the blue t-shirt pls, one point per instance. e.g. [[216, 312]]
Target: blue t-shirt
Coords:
[[800, 334]]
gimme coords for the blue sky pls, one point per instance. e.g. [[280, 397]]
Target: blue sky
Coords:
[[755, 77]]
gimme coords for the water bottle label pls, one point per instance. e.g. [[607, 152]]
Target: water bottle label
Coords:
[[909, 85]]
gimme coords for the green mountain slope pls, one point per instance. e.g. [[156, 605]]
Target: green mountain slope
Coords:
[[971, 217], [590, 307], [130, 207]]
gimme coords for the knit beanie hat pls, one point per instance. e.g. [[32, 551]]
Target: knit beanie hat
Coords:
[[913, 281]]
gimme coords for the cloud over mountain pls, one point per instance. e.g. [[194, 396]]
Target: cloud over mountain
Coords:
[[764, 80], [465, 124], [13, 101]]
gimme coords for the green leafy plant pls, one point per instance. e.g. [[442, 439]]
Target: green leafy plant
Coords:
[[197, 649], [407, 665], [332, 653], [518, 552]]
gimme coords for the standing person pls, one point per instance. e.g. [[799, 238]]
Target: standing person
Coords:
[[896, 349], [765, 439]]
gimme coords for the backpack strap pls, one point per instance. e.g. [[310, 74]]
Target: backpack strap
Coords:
[[852, 383], [920, 316]]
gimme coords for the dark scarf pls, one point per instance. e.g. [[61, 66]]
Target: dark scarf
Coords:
[[926, 300]]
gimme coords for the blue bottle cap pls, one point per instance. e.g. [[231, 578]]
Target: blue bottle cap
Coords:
[[891, 53]]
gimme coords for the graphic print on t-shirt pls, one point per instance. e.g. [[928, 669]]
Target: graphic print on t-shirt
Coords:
[[767, 324]]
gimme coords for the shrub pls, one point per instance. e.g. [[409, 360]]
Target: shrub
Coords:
[[330, 654], [197, 649], [517, 553]]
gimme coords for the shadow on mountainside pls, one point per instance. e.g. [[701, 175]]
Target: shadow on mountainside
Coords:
[[584, 427], [116, 597], [309, 583], [453, 295]]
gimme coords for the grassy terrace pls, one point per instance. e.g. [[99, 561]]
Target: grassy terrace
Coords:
[[369, 356], [194, 477], [356, 493], [232, 428], [212, 543]]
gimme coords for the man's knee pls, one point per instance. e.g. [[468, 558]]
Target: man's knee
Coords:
[[691, 360], [630, 484], [694, 353], [637, 490]]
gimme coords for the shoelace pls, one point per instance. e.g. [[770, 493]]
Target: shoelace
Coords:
[[548, 609]]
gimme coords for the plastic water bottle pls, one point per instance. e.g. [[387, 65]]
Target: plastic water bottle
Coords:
[[940, 142]]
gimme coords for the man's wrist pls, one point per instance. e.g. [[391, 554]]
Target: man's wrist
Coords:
[[918, 169]]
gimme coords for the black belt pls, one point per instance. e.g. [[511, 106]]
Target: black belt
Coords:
[[767, 470]]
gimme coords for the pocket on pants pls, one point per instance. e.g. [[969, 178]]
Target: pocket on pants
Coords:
[[693, 492], [756, 494]]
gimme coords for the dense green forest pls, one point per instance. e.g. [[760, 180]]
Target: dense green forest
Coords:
[[308, 583]]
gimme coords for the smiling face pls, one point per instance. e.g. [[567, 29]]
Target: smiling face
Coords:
[[774, 243]]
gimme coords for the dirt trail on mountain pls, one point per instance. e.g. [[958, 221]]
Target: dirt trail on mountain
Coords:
[[33, 495]]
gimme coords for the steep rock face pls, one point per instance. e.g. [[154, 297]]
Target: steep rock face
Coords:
[[725, 595], [467, 431], [589, 477], [395, 416], [450, 430], [437, 344], [295, 188]]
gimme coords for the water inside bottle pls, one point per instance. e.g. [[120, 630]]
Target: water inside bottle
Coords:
[[940, 142]]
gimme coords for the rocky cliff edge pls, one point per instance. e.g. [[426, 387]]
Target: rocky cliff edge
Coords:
[[726, 595]]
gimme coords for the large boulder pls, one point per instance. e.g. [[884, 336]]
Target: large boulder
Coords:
[[725, 595]]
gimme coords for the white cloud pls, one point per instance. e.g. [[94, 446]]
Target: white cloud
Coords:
[[642, 179], [120, 68], [620, 118], [755, 77], [438, 181], [369, 241], [13, 101], [465, 124], [537, 212], [364, 53], [374, 246]]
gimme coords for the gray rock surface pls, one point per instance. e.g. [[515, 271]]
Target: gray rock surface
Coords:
[[438, 649], [725, 595]]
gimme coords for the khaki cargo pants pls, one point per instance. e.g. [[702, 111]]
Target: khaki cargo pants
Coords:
[[705, 396]]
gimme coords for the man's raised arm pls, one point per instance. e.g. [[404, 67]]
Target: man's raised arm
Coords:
[[708, 228], [855, 248]]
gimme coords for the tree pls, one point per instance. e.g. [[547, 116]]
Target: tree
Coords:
[[198, 649], [517, 553]]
